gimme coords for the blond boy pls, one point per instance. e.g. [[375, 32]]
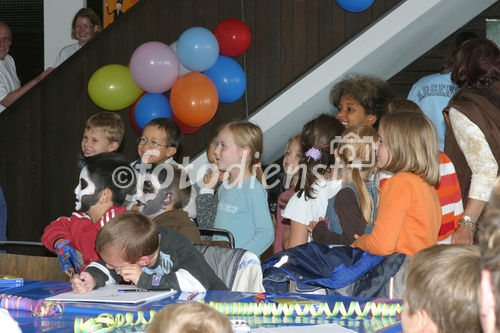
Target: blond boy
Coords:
[[103, 133]]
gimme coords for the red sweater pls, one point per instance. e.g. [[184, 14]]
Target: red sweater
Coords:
[[79, 230], [408, 218]]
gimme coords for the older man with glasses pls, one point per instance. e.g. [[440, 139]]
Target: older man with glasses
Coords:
[[10, 86]]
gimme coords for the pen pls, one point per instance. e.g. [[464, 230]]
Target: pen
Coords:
[[193, 295], [138, 290]]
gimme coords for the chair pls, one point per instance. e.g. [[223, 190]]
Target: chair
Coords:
[[205, 231], [30, 267], [238, 268]]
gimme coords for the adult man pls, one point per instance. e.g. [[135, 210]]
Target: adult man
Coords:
[[10, 86]]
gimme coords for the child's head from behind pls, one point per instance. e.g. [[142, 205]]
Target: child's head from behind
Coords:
[[103, 133], [239, 147], [402, 104], [293, 155], [356, 152], [129, 238], [441, 290], [159, 141], [489, 240], [163, 188], [408, 143], [106, 176], [316, 139], [360, 99], [191, 317]]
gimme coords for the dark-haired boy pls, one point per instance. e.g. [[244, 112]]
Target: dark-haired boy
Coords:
[[134, 249], [161, 196], [158, 144], [105, 180]]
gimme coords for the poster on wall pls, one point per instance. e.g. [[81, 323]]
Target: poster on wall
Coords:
[[112, 9]]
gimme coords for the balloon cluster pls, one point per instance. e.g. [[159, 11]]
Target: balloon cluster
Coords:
[[196, 69]]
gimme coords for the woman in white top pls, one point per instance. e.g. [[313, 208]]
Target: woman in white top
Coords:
[[317, 179], [85, 26]]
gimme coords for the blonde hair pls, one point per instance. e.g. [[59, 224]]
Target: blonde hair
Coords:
[[109, 122], [356, 151], [248, 135], [130, 234], [443, 280], [413, 145], [489, 241], [190, 317]]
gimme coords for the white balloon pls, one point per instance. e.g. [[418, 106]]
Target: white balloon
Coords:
[[183, 70]]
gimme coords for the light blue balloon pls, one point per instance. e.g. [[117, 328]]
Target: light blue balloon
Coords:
[[151, 106], [229, 79], [197, 49]]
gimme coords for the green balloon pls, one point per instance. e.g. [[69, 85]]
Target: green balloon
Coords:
[[111, 87]]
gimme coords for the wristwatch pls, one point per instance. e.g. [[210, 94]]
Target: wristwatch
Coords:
[[468, 222]]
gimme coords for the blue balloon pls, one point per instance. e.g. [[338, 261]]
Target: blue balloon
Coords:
[[355, 6], [229, 79], [197, 49], [151, 106]]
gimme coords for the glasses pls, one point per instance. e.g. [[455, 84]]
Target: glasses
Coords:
[[84, 27], [5, 39], [143, 141]]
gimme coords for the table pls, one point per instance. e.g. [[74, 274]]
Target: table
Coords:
[[65, 322]]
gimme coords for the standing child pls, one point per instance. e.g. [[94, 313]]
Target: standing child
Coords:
[[360, 99], [286, 188], [353, 210], [409, 213], [319, 182], [103, 133], [242, 207]]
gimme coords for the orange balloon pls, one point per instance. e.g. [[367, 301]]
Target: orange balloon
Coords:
[[194, 99]]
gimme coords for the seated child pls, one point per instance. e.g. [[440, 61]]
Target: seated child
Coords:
[[98, 200], [158, 143], [448, 189], [103, 133], [242, 207], [318, 182], [354, 208], [162, 198], [441, 290], [189, 317], [360, 99], [134, 249], [409, 213], [489, 241]]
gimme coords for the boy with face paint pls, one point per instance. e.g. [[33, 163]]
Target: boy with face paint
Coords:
[[161, 195], [105, 180]]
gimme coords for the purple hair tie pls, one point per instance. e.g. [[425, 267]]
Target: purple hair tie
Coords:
[[313, 153]]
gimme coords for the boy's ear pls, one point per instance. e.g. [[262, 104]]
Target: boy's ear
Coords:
[[486, 295], [106, 196], [425, 322], [171, 151], [143, 261], [113, 146]]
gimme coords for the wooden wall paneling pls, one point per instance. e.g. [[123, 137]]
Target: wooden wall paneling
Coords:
[[312, 34], [299, 38], [287, 40], [251, 8], [338, 28], [262, 52], [274, 37]]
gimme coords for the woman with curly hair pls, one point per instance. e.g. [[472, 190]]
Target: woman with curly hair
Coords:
[[360, 99]]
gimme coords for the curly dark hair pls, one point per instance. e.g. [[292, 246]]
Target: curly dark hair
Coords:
[[476, 64], [371, 92]]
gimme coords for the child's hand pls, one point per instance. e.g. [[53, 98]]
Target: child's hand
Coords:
[[131, 272], [82, 283], [211, 178], [311, 226]]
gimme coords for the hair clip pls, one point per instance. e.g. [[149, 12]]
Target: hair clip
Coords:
[[258, 165], [313, 153]]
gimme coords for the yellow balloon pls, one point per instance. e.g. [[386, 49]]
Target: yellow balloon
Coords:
[[112, 88]]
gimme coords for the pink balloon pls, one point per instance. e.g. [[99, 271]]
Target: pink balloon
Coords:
[[154, 67]]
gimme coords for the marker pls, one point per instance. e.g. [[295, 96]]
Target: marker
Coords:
[[139, 290], [193, 295]]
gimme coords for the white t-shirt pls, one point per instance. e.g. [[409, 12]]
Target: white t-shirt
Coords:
[[304, 211], [8, 78], [8, 324], [66, 52]]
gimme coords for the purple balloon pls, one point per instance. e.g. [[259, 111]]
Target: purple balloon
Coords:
[[154, 67]]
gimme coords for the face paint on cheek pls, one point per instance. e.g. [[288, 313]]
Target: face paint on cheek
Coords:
[[154, 206], [85, 192]]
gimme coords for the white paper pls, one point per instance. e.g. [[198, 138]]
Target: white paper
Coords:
[[110, 294], [324, 328]]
